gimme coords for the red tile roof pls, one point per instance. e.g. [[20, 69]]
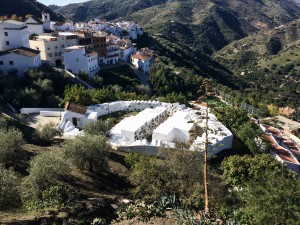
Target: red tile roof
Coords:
[[22, 51], [76, 108]]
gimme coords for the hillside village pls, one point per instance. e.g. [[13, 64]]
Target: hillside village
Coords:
[[79, 48], [84, 47], [144, 148]]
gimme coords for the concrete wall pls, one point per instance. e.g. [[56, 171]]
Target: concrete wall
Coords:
[[20, 62], [51, 113], [38, 110]]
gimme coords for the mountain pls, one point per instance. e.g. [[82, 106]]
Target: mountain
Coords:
[[53, 7], [213, 23], [268, 62], [187, 33], [24, 7]]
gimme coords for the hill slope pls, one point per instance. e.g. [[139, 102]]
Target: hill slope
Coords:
[[24, 7]]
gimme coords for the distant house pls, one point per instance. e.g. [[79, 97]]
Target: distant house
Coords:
[[19, 59], [35, 25], [142, 59], [52, 46], [14, 34], [287, 111], [126, 49], [77, 59]]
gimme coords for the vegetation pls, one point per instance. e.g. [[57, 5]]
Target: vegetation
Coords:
[[45, 134], [11, 141], [25, 7], [42, 87], [88, 152], [80, 95], [9, 186]]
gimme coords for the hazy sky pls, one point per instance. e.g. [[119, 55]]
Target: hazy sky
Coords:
[[60, 2]]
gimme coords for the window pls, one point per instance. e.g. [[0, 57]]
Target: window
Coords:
[[55, 47], [48, 48], [59, 53], [7, 42], [1, 63], [77, 60], [63, 46], [55, 53], [6, 34], [11, 62], [50, 54]]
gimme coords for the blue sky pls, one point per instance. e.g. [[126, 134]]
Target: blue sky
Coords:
[[60, 2]]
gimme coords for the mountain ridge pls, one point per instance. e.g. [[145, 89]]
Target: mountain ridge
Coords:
[[24, 7]]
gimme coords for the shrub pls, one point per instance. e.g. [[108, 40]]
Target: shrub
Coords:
[[45, 170], [9, 189], [45, 134], [99, 127], [11, 141], [88, 152]]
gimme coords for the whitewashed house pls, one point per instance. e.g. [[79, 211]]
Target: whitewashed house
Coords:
[[142, 59], [35, 25], [176, 128], [19, 59], [52, 46], [141, 126], [13, 34], [47, 24], [126, 49], [112, 50], [77, 59]]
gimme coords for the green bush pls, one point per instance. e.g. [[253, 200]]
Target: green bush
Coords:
[[45, 170], [9, 189], [87, 152], [11, 141], [45, 134]]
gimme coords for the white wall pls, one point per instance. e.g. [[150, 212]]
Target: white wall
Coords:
[[76, 61], [38, 110], [20, 62], [35, 28], [15, 37]]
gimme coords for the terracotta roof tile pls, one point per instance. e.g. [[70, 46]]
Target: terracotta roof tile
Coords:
[[22, 51], [76, 108]]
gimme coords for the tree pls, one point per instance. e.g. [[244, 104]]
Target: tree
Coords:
[[99, 127], [88, 152], [272, 199], [45, 170], [11, 141], [46, 133], [249, 133], [237, 170], [9, 189], [173, 173]]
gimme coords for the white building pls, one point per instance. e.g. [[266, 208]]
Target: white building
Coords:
[[131, 27], [219, 136], [141, 126], [52, 46], [176, 128], [77, 59], [47, 24], [35, 26], [19, 59], [126, 49], [112, 50], [13, 34], [142, 59]]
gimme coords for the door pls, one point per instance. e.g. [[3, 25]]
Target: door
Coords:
[[74, 121]]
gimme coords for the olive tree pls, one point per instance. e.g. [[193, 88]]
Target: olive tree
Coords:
[[11, 141], [9, 189], [87, 152]]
